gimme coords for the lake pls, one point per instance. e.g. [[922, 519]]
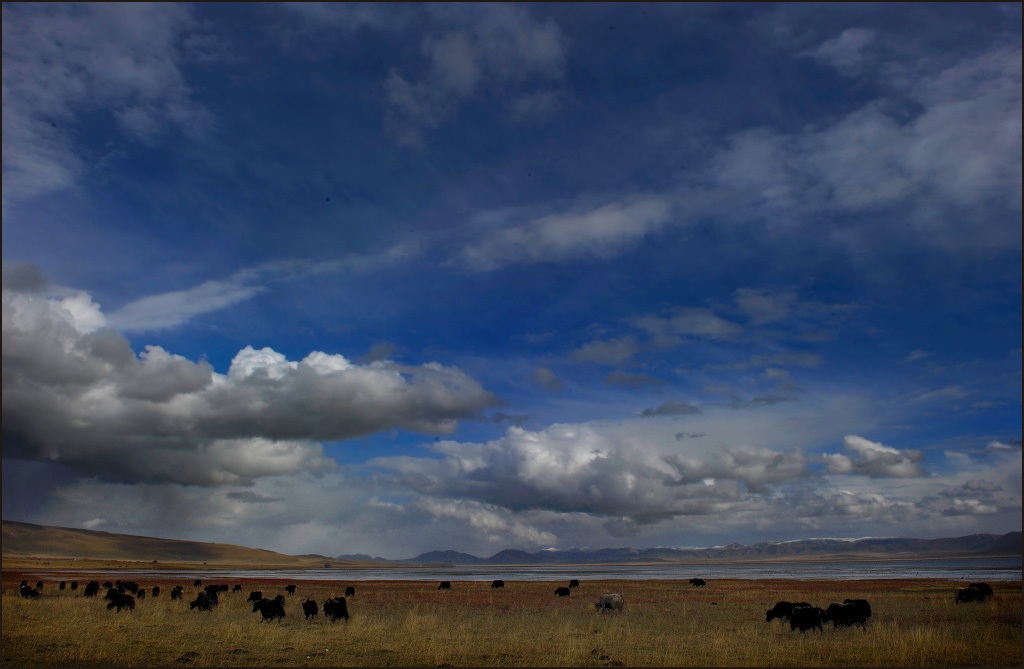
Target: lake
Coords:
[[962, 569]]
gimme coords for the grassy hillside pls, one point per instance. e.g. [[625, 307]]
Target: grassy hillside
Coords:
[[27, 545]]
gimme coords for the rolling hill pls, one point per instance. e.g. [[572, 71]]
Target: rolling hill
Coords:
[[26, 542]]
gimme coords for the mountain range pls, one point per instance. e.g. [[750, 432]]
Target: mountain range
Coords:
[[974, 545]]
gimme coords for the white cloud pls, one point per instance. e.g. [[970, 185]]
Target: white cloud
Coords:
[[61, 61], [845, 52], [763, 307], [607, 352], [502, 50], [548, 379], [875, 460], [960, 152], [75, 393], [598, 232]]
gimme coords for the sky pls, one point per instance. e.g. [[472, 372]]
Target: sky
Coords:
[[386, 279]]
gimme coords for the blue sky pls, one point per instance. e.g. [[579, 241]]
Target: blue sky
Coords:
[[393, 278]]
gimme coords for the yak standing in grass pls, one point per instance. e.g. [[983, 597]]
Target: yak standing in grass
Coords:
[[310, 609], [497, 583], [203, 602], [574, 583], [971, 594], [350, 591], [847, 614], [120, 600], [92, 588], [255, 596], [562, 591], [782, 610], [697, 582], [270, 609], [445, 585], [336, 609], [806, 618]]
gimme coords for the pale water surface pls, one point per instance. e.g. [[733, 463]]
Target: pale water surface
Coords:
[[963, 569]]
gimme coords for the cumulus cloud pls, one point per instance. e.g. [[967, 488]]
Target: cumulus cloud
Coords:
[[75, 392], [502, 50], [605, 471], [875, 460], [60, 61]]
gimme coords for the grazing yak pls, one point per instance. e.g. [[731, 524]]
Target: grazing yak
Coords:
[[140, 594], [270, 608], [984, 587], [574, 583], [119, 600], [74, 585], [197, 584], [350, 591], [310, 609], [203, 602], [156, 590], [445, 585], [805, 618], [697, 582], [848, 614], [971, 593], [62, 585], [290, 589], [28, 592], [335, 609], [177, 592], [782, 610], [130, 586], [39, 585], [92, 588], [497, 583], [562, 592], [237, 588], [255, 596], [609, 603]]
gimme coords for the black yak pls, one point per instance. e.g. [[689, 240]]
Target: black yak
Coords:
[[310, 609], [120, 600], [335, 609], [270, 609], [203, 602]]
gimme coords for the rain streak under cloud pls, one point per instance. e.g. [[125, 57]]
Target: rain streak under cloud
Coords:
[[392, 278]]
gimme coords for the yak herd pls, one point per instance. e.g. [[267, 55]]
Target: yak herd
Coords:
[[123, 595], [802, 616]]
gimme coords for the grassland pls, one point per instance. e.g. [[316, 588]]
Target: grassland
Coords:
[[404, 623]]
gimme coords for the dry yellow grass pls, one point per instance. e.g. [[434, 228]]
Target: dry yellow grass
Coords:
[[403, 623]]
